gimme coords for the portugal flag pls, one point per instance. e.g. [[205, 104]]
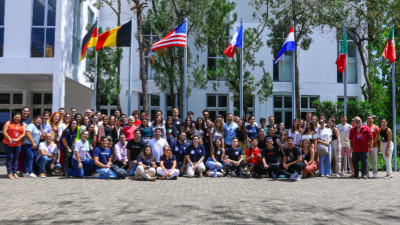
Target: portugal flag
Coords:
[[390, 49], [90, 40], [341, 60], [117, 37]]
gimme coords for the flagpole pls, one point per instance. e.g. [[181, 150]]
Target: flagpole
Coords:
[[130, 71], [394, 113], [95, 69], [241, 73], [345, 92], [185, 74], [293, 80]]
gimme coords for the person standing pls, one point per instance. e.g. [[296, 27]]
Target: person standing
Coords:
[[13, 131], [324, 137], [145, 131], [157, 143], [374, 153], [252, 128], [25, 116], [241, 135], [229, 130], [47, 157], [176, 121], [295, 132], [387, 147], [134, 147], [170, 130], [129, 130], [344, 132], [30, 144], [335, 146], [66, 142], [360, 136], [26, 121], [135, 114], [117, 131]]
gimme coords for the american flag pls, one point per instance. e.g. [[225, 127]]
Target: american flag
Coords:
[[177, 37]]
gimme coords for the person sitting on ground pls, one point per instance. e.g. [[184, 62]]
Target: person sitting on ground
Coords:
[[120, 153], [308, 158], [271, 156], [102, 154], [178, 148], [134, 147], [146, 166], [253, 157], [234, 159], [195, 156], [167, 170], [47, 157], [81, 160], [215, 160], [293, 162]]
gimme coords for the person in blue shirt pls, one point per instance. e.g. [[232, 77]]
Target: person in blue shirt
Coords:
[[229, 130], [214, 162], [252, 129], [234, 159], [178, 149], [31, 140], [66, 141], [102, 154], [146, 167], [167, 168], [195, 155]]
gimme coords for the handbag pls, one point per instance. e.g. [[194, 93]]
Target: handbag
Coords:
[[321, 148]]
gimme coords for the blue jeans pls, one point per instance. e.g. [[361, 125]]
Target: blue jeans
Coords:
[[145, 140], [12, 158], [132, 171], [30, 153], [325, 169], [45, 162], [211, 164], [363, 157], [87, 168]]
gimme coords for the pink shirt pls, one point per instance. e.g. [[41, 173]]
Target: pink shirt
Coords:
[[129, 132], [120, 152]]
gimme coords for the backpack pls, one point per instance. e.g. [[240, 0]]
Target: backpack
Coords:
[[121, 173]]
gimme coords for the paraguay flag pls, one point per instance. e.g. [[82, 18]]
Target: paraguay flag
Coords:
[[289, 45], [237, 41]]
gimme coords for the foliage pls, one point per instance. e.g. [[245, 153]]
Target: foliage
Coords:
[[354, 108], [107, 62]]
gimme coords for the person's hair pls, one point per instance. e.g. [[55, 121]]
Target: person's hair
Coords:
[[46, 112], [163, 157], [243, 129], [309, 113], [206, 110], [25, 107], [294, 129], [103, 137], [122, 134], [316, 120], [61, 109], [187, 127], [221, 128], [158, 111], [271, 117], [83, 119], [117, 110], [135, 112], [158, 129], [167, 126], [137, 131], [51, 119], [229, 115], [34, 120], [78, 114], [333, 126], [197, 126], [175, 109], [69, 128], [309, 147], [105, 117], [87, 128], [72, 108], [312, 128], [148, 114], [281, 134], [190, 113], [142, 124], [343, 116], [254, 138], [289, 138], [332, 116], [235, 138], [251, 116], [384, 120], [300, 122], [85, 131], [370, 116], [195, 136], [154, 124], [122, 115], [263, 120], [143, 155]]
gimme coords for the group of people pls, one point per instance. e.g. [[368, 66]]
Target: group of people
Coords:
[[77, 145]]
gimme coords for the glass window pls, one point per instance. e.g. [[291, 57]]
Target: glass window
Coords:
[[288, 102], [304, 102], [211, 101], [149, 37], [37, 112], [17, 98], [222, 101], [283, 110], [48, 98], [278, 102], [341, 99], [154, 100], [212, 55], [43, 28], [37, 98], [283, 69], [306, 105], [76, 32], [5, 98], [352, 63], [218, 105]]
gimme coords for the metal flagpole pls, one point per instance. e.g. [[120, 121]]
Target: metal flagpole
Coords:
[[293, 81], [185, 74], [95, 69], [345, 92], [394, 114], [241, 73], [130, 70]]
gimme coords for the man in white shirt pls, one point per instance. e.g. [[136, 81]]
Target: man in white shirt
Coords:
[[47, 156], [344, 131], [324, 137], [157, 144]]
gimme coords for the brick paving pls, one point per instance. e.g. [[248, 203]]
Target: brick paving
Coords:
[[59, 200]]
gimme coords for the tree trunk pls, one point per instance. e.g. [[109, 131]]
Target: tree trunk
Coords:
[[365, 71], [297, 87], [180, 103]]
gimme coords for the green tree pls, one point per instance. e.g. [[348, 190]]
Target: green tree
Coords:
[[355, 108]]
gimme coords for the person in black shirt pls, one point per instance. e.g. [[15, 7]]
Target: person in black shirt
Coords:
[[170, 130], [178, 123], [134, 147], [271, 157], [261, 139], [273, 136], [293, 162]]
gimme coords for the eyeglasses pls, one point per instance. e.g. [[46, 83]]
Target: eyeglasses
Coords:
[[167, 150], [25, 111], [269, 141], [357, 121]]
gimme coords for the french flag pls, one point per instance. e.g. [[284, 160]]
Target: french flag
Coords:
[[289, 45], [237, 41]]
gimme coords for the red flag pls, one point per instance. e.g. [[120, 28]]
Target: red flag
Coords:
[[341, 62], [390, 49]]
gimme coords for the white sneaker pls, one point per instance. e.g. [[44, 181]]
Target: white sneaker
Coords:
[[25, 174], [375, 175], [31, 175], [298, 177], [322, 175]]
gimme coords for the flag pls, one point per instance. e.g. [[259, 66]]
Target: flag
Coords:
[[341, 60], [236, 42], [390, 49], [289, 45], [117, 37], [177, 37], [90, 40]]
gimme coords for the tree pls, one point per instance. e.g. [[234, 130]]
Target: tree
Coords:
[[108, 60], [355, 108], [306, 15], [166, 15]]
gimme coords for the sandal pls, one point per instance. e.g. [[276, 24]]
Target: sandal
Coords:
[[200, 175], [10, 176], [16, 176]]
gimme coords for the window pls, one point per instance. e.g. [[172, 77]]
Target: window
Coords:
[[351, 63], [341, 99], [11, 99], [2, 6], [282, 72], [283, 110], [108, 108], [306, 105], [154, 104], [217, 104], [212, 55], [250, 106], [41, 102], [168, 104], [91, 21], [76, 33], [149, 37], [43, 28]]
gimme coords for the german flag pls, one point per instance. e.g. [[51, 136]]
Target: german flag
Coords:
[[117, 37], [90, 40]]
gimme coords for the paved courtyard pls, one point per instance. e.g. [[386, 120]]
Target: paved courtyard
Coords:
[[59, 200]]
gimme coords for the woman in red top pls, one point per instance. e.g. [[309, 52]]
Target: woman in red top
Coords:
[[13, 131], [130, 129]]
